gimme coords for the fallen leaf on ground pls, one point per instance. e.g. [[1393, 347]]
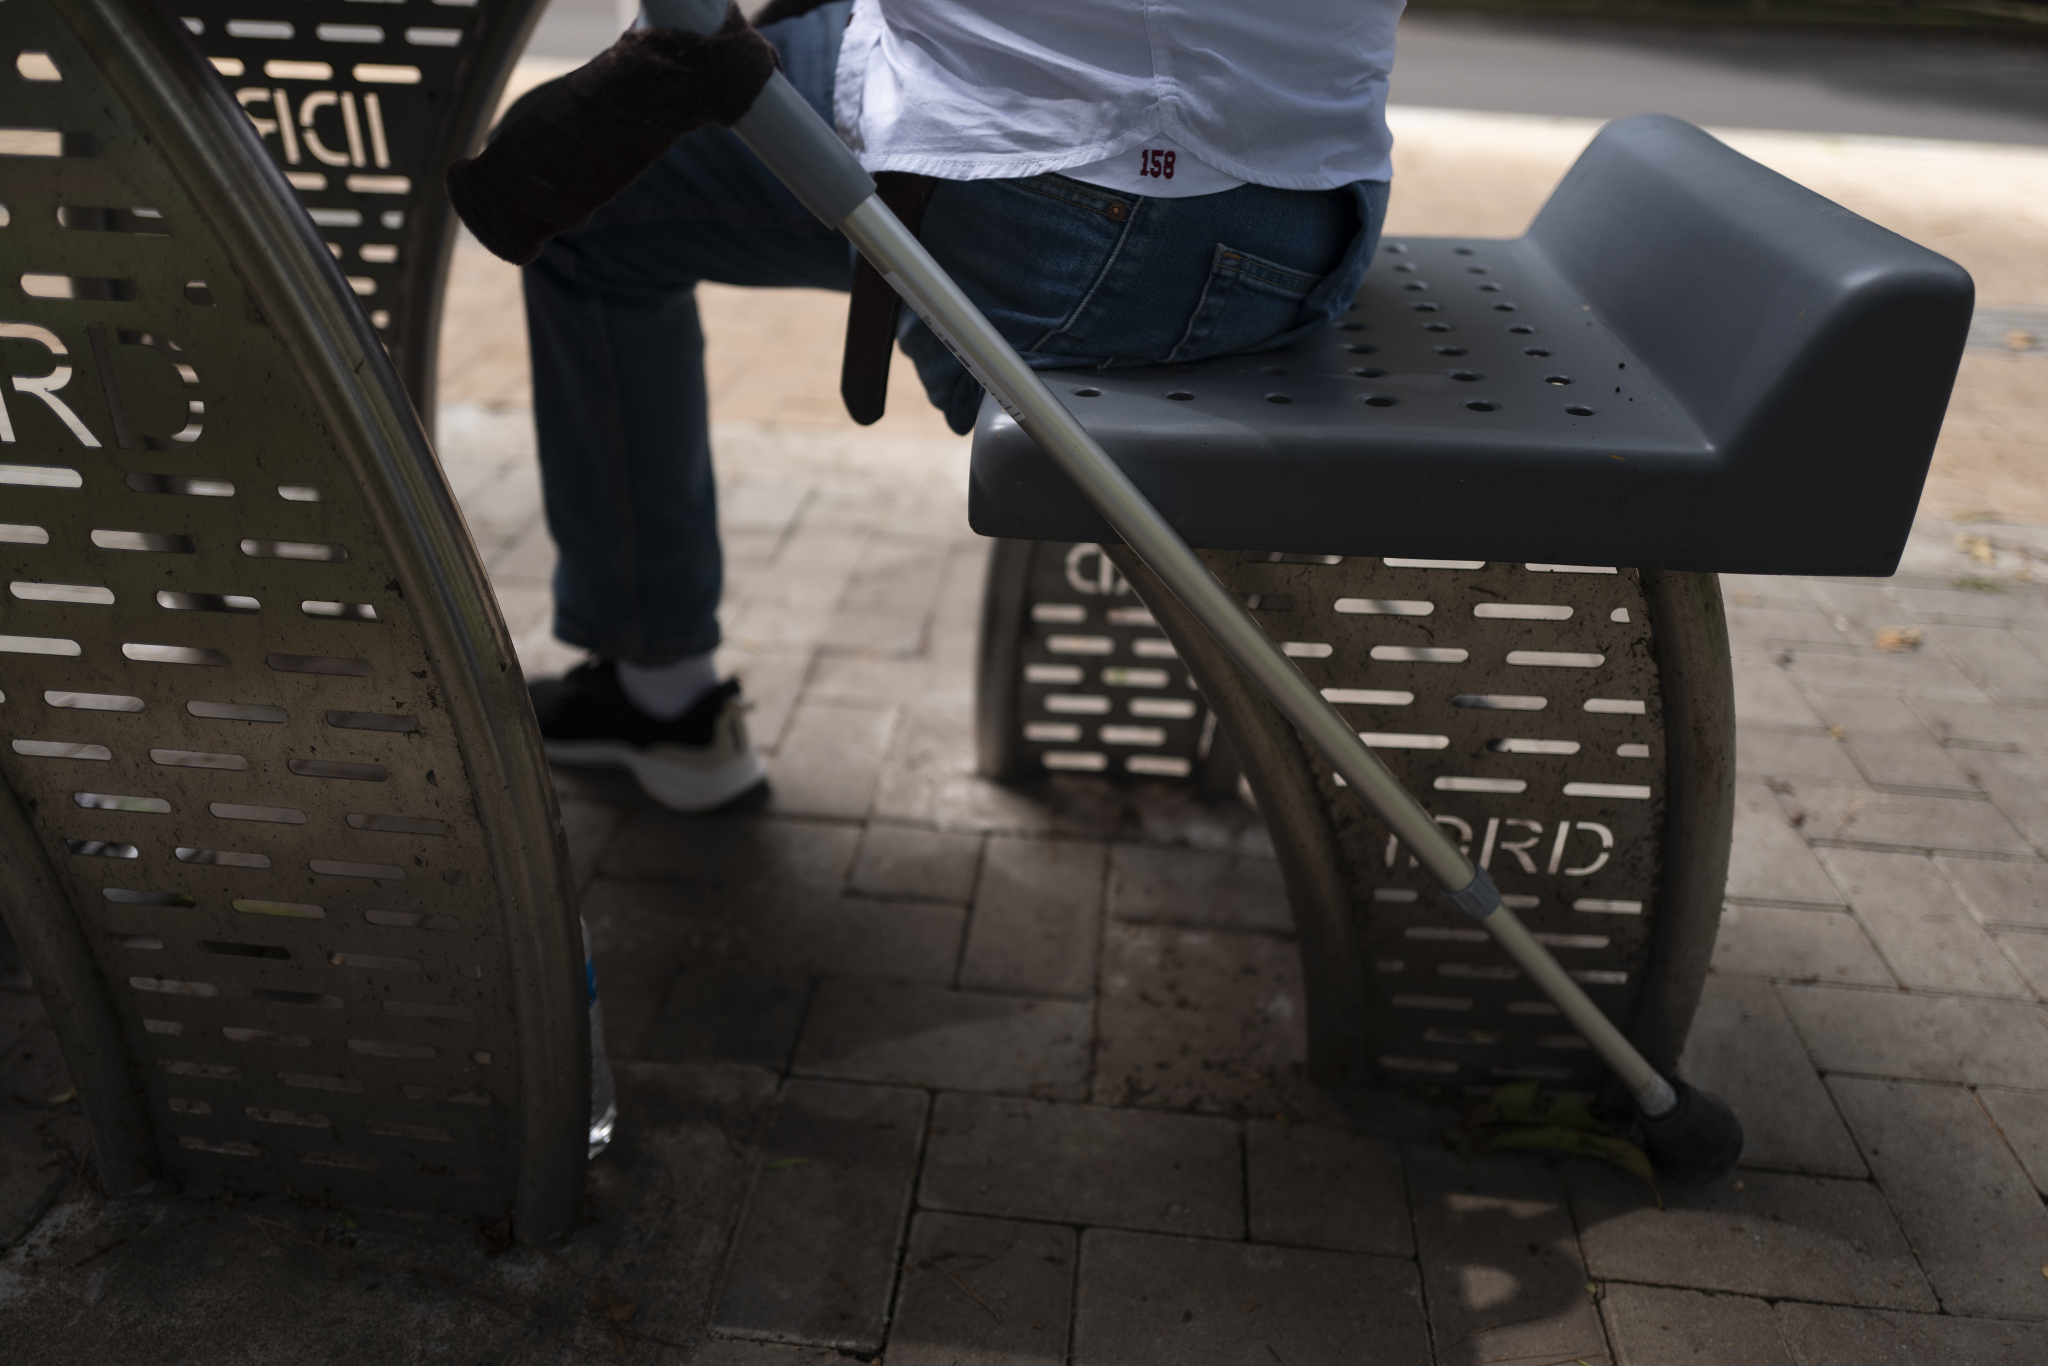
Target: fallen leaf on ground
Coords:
[[1518, 1118], [2019, 339], [1897, 639]]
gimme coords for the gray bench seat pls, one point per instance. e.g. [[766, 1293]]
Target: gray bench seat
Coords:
[[1689, 362]]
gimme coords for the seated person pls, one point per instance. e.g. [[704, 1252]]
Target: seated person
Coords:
[[1122, 182]]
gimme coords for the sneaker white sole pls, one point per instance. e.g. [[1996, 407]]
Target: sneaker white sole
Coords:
[[667, 773]]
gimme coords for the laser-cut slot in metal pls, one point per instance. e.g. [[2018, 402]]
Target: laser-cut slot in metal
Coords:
[[396, 825], [107, 801], [237, 711], [220, 858], [334, 768], [180, 484]]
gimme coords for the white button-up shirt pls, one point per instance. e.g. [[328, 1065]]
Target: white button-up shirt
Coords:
[[1286, 93]]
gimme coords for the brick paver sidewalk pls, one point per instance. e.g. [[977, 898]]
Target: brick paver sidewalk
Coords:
[[921, 1069]]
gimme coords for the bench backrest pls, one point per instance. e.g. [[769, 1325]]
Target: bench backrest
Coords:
[[1788, 326], [278, 841]]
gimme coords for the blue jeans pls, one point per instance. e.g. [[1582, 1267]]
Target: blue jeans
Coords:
[[1073, 275]]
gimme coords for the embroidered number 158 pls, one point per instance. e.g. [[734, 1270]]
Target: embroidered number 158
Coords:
[[1156, 163]]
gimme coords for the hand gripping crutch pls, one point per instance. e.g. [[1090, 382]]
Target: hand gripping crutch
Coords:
[[1689, 1135]]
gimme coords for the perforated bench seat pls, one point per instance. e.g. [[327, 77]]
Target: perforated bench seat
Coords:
[[1688, 362]]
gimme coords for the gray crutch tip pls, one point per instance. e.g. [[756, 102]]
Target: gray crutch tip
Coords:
[[1694, 1142]]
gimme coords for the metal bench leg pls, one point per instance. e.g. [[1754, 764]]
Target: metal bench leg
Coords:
[[1391, 986], [1073, 676]]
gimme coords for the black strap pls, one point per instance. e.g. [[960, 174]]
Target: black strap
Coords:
[[871, 316]]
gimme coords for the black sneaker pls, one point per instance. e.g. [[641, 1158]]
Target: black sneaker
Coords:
[[697, 762]]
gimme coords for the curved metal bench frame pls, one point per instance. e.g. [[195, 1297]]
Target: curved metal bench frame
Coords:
[[314, 398], [451, 106], [1333, 856], [1373, 940]]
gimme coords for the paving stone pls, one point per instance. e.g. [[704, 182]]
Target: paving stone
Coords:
[[863, 680], [1763, 1233], [1764, 590], [1861, 606], [929, 779], [1927, 1038], [732, 851], [2018, 784], [736, 1352], [1037, 913], [1198, 1020], [1825, 1335], [1968, 1206], [1188, 887], [1315, 1187], [1082, 1164], [1655, 1327], [907, 941], [763, 626], [983, 1292], [2022, 1116], [1857, 815], [2027, 950], [1500, 1261], [925, 865], [1996, 660], [1924, 674], [773, 680], [1962, 604], [1771, 941], [1891, 745], [868, 635], [1148, 1300], [1999, 892], [1761, 753], [2023, 728], [1927, 936], [41, 1152], [664, 1197], [861, 1030], [644, 934], [814, 1259], [1770, 860], [895, 576], [1766, 627], [589, 829], [711, 1016], [1766, 694], [1744, 1050], [828, 760]]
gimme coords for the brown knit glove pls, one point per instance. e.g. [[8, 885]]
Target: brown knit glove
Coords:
[[573, 146]]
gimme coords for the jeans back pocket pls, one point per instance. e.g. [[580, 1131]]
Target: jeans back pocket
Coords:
[[1247, 300]]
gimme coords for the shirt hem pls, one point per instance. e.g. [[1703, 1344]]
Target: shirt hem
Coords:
[[993, 168]]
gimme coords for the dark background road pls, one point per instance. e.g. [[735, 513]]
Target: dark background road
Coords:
[[1925, 86]]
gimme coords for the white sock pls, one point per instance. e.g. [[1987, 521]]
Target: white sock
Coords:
[[666, 691]]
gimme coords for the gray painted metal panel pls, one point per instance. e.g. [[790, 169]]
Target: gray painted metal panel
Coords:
[[1689, 362]]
